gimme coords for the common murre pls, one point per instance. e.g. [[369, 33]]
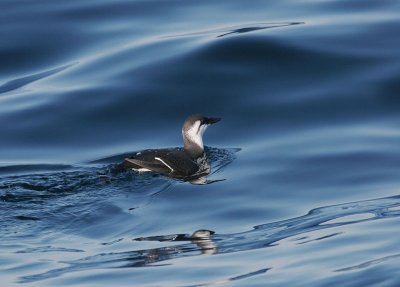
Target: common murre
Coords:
[[183, 163]]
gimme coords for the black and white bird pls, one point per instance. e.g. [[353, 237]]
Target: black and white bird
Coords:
[[189, 161]]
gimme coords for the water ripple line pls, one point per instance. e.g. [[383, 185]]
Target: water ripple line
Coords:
[[23, 81], [206, 242]]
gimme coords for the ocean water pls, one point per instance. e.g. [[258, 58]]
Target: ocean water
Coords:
[[305, 182]]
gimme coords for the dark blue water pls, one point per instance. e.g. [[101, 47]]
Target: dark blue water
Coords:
[[305, 182]]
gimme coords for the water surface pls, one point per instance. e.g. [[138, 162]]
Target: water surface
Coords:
[[305, 182]]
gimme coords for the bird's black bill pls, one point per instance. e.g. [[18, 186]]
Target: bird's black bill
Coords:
[[211, 120]]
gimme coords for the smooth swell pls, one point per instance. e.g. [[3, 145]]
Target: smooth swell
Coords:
[[262, 236], [309, 91]]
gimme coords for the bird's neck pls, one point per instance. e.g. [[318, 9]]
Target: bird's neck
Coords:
[[193, 145]]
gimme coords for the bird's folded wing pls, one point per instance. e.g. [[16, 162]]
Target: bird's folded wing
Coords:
[[180, 163], [153, 166], [167, 161]]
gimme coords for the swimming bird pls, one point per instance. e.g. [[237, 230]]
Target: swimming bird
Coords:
[[183, 163]]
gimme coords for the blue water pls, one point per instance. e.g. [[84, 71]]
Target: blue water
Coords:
[[305, 182]]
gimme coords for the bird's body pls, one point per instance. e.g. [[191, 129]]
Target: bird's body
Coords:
[[175, 162], [189, 161]]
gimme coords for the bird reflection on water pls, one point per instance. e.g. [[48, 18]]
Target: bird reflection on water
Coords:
[[207, 242]]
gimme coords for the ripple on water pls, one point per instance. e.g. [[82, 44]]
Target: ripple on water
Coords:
[[262, 236]]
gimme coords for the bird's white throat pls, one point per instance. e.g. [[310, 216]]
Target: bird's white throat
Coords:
[[195, 133]]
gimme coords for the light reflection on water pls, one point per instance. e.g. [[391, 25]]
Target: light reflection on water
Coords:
[[307, 90]]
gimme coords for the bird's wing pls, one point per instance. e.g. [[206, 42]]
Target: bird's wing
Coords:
[[175, 162], [153, 166], [146, 159], [180, 162]]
